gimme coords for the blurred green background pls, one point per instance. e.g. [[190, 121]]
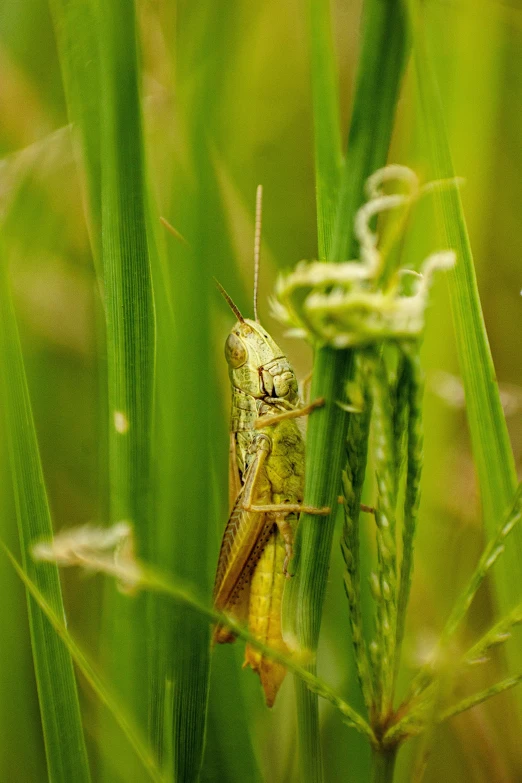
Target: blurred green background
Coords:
[[226, 104]]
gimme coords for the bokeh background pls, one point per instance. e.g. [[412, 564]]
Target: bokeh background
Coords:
[[227, 105]]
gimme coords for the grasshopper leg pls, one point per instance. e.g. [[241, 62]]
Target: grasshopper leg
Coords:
[[285, 528], [280, 512], [289, 508], [270, 419]]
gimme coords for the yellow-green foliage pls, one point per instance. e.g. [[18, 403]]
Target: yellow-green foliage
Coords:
[[115, 113]]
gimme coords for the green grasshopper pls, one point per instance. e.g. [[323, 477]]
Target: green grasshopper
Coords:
[[266, 486]]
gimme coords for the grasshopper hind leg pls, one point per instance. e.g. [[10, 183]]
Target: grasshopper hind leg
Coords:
[[287, 533]]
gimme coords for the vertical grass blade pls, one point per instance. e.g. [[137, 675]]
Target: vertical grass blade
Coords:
[[328, 159], [91, 675], [490, 442], [74, 24], [381, 64], [59, 708], [384, 53], [127, 285], [190, 422], [412, 384], [327, 125]]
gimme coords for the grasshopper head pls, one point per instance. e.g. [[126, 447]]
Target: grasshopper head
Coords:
[[257, 366]]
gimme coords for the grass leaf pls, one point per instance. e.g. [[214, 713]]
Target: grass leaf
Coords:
[[74, 24], [59, 707], [92, 676], [492, 451], [327, 123]]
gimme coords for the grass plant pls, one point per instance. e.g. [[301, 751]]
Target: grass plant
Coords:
[[113, 389]]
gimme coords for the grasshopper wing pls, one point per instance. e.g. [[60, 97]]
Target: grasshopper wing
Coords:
[[245, 537], [234, 479]]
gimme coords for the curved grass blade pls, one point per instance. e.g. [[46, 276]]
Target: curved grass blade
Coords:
[[59, 707], [96, 682], [492, 451]]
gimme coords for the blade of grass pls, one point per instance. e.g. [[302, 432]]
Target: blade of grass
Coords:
[[75, 30], [165, 541], [92, 676], [327, 124], [189, 412], [384, 54], [492, 451], [111, 552], [127, 282], [478, 698], [20, 724], [328, 159], [59, 707]]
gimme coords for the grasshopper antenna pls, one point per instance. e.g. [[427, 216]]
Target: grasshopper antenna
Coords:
[[229, 301], [257, 244]]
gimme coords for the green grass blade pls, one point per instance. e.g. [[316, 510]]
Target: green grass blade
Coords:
[[59, 708], [75, 29], [381, 64], [98, 54], [328, 158], [384, 54], [127, 282], [327, 124], [479, 698], [92, 676], [492, 451], [494, 549], [413, 386]]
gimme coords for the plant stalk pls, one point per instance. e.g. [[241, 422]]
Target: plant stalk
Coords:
[[383, 764]]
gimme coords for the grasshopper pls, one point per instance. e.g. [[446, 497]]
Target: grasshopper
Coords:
[[266, 486]]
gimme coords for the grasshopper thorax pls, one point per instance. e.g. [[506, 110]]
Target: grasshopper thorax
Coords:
[[257, 366]]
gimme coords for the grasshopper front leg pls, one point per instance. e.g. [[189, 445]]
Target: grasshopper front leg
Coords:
[[271, 419]]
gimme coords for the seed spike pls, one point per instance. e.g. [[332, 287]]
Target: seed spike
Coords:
[[257, 244], [230, 302]]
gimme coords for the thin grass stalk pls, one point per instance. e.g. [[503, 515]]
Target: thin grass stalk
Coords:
[[57, 693], [492, 451], [383, 765], [381, 65], [499, 634], [353, 483], [400, 414], [493, 550], [413, 385], [479, 698], [384, 456], [328, 157]]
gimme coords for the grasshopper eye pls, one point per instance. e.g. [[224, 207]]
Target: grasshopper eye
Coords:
[[235, 351]]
